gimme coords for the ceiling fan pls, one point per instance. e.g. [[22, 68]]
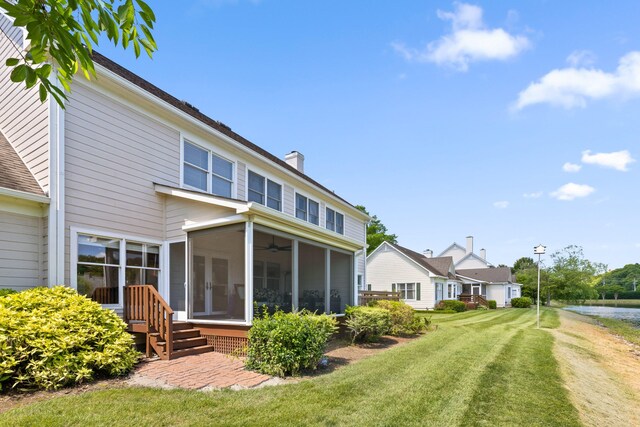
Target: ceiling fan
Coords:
[[273, 247]]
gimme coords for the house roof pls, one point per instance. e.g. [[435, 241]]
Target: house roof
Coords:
[[439, 266], [452, 246], [492, 275], [195, 113], [15, 175], [472, 255]]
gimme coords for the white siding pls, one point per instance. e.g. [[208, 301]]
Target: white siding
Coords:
[[288, 200], [385, 267], [242, 181], [181, 212], [24, 120], [471, 263], [20, 251], [110, 173], [354, 228], [456, 253], [497, 293]]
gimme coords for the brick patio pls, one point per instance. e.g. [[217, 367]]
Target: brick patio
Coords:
[[201, 371]]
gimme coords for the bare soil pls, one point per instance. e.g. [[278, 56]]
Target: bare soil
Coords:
[[600, 371]]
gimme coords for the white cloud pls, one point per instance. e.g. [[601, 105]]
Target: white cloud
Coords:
[[469, 41], [572, 191], [534, 195], [618, 160], [581, 58], [502, 204], [573, 87], [571, 167]]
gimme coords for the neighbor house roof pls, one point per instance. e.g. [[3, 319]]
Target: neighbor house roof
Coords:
[[14, 174], [195, 113], [439, 266], [493, 274]]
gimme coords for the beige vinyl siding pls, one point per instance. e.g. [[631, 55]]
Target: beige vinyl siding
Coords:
[[20, 251], [242, 181], [354, 228], [388, 266], [109, 169], [288, 200], [181, 212], [497, 293], [323, 214], [456, 253], [24, 120], [360, 264]]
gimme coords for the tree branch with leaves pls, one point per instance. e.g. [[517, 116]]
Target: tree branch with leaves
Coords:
[[63, 32]]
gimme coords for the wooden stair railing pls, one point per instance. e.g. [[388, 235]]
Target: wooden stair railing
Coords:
[[367, 296], [143, 303], [474, 299]]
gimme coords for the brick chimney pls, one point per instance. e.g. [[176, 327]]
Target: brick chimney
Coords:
[[428, 253], [483, 254], [296, 160], [469, 244]]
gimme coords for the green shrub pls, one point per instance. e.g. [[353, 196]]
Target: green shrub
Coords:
[[367, 323], [492, 304], [452, 304], [404, 320], [52, 337], [522, 302], [286, 343], [4, 292]]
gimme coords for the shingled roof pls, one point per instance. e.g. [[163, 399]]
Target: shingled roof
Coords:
[[195, 113], [14, 174], [439, 265], [492, 275]]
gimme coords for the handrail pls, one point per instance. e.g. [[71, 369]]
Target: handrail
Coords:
[[473, 298], [144, 303], [368, 296]]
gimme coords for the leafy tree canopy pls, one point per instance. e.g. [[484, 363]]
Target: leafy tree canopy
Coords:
[[376, 232], [65, 31], [571, 276], [524, 263]]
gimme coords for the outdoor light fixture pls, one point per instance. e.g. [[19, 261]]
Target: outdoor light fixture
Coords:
[[538, 250]]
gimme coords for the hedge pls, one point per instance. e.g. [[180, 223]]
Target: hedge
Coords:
[[53, 337], [492, 304], [454, 305], [286, 343], [404, 320], [367, 324], [522, 302]]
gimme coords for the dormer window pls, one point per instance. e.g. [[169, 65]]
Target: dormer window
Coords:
[[207, 171], [264, 191]]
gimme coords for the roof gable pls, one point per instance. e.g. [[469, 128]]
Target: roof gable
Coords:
[[451, 247], [419, 259], [473, 256], [15, 174]]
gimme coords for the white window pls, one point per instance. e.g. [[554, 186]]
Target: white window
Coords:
[[264, 191], [307, 209], [104, 264], [407, 290], [335, 221], [207, 171], [439, 291]]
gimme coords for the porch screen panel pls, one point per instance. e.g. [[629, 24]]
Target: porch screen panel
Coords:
[[341, 283], [272, 263], [177, 298], [311, 277], [217, 273]]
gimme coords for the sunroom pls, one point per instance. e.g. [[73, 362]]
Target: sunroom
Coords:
[[243, 257]]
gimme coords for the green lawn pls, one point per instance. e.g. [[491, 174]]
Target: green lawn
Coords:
[[627, 330], [479, 368]]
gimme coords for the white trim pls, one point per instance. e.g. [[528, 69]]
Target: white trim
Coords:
[[22, 207], [23, 195], [233, 219], [248, 271], [240, 206]]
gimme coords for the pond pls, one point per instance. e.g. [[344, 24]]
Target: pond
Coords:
[[622, 313]]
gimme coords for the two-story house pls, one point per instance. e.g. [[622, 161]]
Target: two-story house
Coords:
[[128, 185]]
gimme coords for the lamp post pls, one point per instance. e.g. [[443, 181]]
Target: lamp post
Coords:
[[538, 250]]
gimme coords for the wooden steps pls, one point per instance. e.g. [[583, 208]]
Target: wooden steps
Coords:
[[187, 340]]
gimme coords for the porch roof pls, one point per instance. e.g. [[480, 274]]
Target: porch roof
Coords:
[[259, 214]]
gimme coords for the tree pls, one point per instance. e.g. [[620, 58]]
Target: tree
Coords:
[[63, 32], [523, 263], [571, 276], [376, 232]]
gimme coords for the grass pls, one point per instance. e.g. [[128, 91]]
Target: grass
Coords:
[[478, 368], [625, 329]]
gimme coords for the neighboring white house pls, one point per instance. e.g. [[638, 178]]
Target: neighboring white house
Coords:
[[129, 185], [494, 283], [465, 258], [424, 280], [421, 281]]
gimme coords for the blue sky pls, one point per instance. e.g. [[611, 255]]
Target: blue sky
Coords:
[[514, 122]]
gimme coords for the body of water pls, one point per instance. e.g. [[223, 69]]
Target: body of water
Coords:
[[622, 313]]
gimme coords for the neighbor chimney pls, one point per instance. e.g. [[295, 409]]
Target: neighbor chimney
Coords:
[[469, 244], [296, 160], [483, 254], [428, 253]]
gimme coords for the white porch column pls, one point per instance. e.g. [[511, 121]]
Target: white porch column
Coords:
[[248, 279], [294, 274], [327, 280]]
